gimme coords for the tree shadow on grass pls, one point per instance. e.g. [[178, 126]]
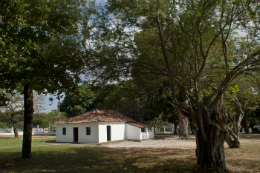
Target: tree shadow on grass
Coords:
[[101, 159], [243, 164]]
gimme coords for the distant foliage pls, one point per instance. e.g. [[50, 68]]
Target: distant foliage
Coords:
[[85, 98]]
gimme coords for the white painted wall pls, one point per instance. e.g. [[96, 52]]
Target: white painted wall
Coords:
[[151, 134], [147, 134], [133, 132], [117, 131], [69, 133], [82, 137], [93, 137], [102, 128]]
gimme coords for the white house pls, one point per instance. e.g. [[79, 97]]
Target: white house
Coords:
[[99, 126]]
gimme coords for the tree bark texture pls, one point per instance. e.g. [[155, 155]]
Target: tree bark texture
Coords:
[[15, 131], [175, 128], [28, 121], [251, 126], [232, 141], [210, 153], [192, 128], [183, 125], [232, 138], [244, 124]]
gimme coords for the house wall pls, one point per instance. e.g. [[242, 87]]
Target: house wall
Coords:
[[82, 137], [102, 128], [147, 134], [151, 134], [117, 131], [133, 132]]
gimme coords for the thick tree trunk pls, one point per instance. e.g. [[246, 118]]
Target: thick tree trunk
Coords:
[[175, 128], [183, 127], [28, 120], [244, 125], [16, 132], [210, 153], [233, 142], [192, 128], [251, 126], [183, 124], [232, 138]]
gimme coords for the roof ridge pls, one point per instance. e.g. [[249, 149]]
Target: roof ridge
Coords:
[[97, 115]]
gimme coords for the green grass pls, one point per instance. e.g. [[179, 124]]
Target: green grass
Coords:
[[55, 157], [89, 158], [8, 141]]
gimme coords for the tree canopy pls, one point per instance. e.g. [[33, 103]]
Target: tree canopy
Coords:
[[85, 98], [40, 44], [193, 45], [41, 47]]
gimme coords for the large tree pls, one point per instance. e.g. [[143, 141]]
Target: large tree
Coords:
[[40, 50], [123, 98], [191, 45], [83, 99]]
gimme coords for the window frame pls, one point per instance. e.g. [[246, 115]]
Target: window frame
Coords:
[[64, 131], [88, 131], [143, 130], [150, 129]]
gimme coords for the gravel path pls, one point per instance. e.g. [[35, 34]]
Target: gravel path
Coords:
[[167, 143]]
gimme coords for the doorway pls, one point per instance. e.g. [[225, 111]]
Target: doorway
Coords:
[[75, 134], [108, 133]]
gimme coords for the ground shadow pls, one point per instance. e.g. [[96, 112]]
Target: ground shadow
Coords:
[[101, 159]]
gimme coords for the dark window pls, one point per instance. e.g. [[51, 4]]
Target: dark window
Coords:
[[88, 130], [64, 130], [149, 129], [142, 129]]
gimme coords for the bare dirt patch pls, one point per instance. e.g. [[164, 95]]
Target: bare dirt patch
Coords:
[[42, 137], [157, 143], [172, 141], [160, 141], [244, 159]]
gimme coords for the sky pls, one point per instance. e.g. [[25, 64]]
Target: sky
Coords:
[[47, 105]]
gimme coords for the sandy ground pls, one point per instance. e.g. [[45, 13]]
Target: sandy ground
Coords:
[[175, 142], [158, 143]]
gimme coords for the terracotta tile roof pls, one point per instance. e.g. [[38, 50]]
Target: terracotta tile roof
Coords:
[[140, 125], [97, 116]]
